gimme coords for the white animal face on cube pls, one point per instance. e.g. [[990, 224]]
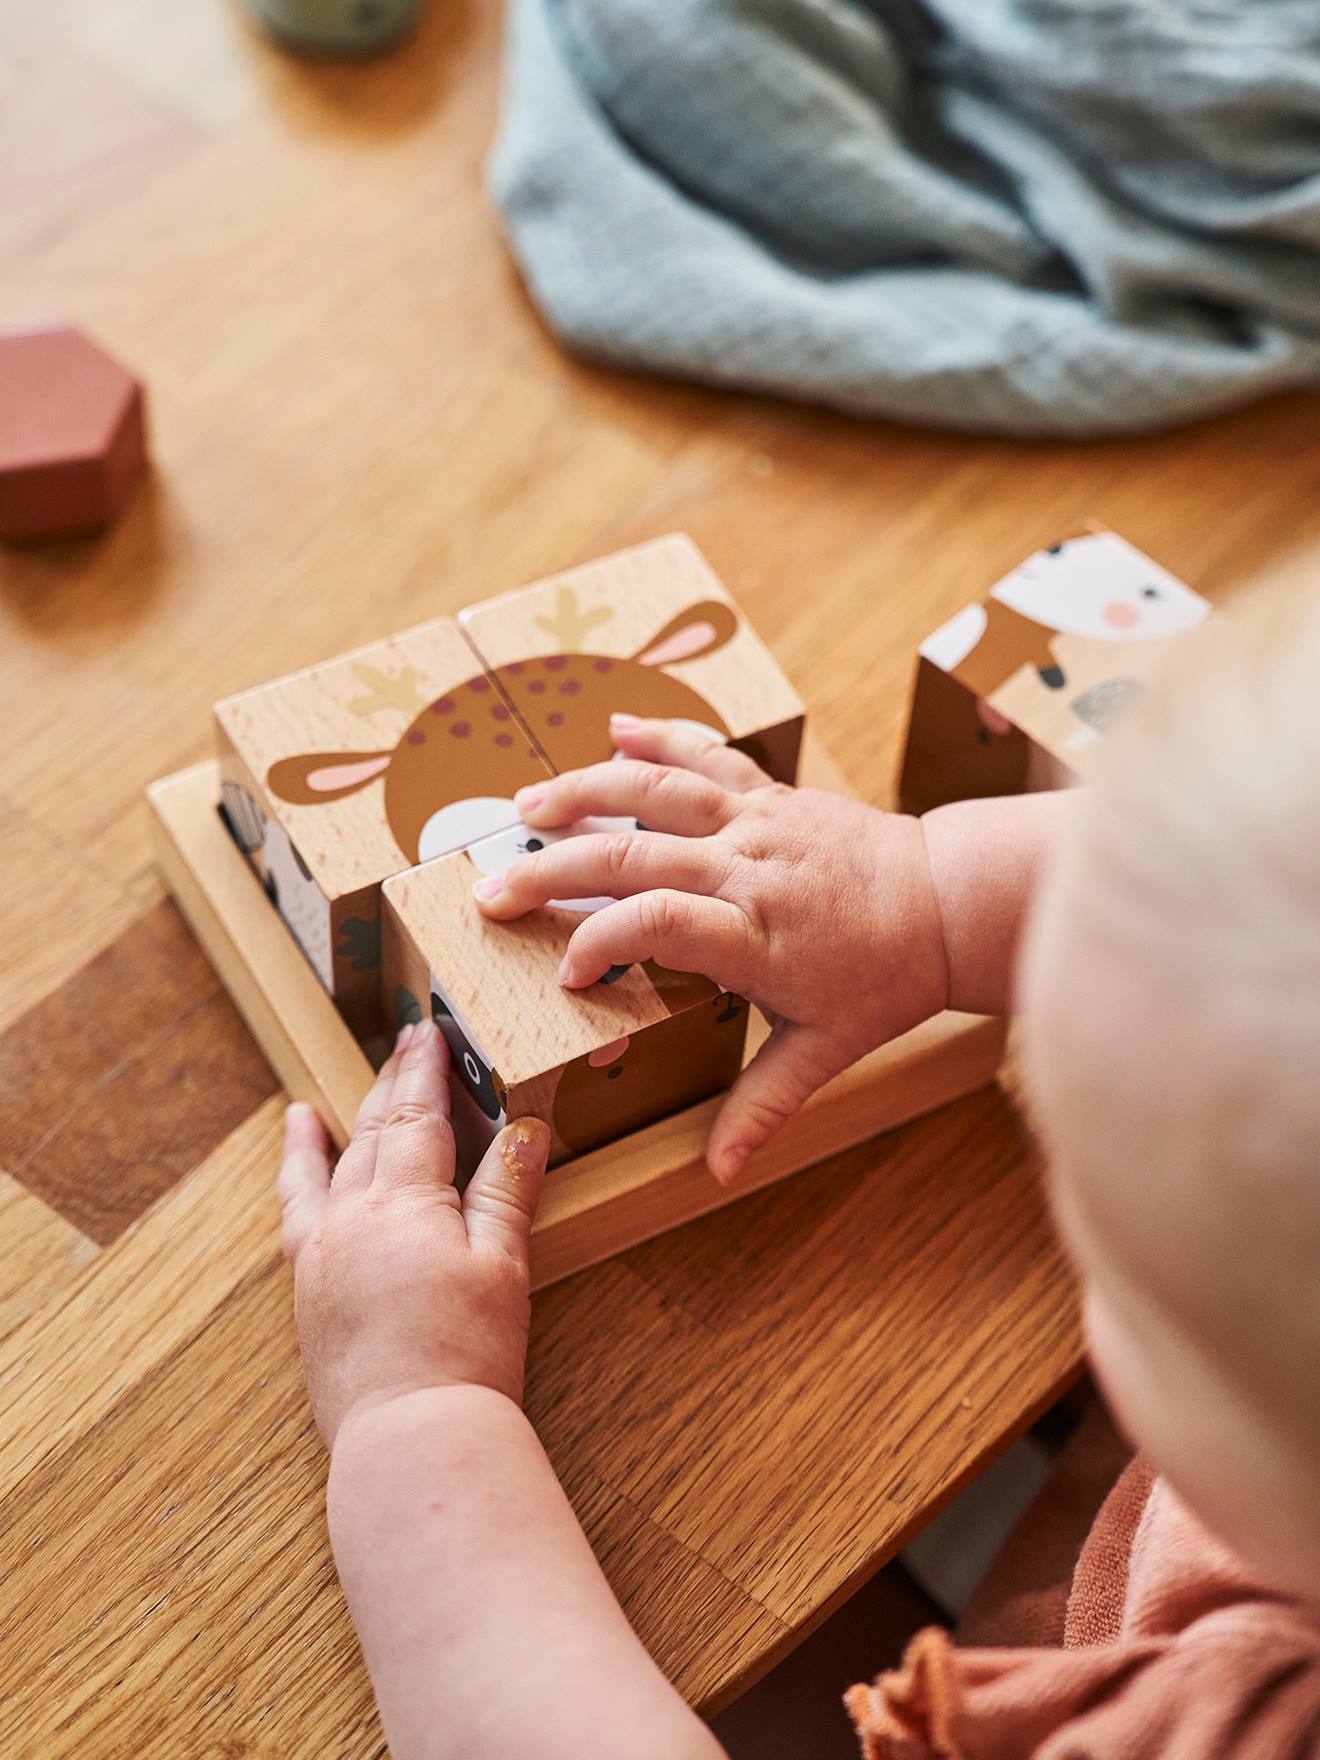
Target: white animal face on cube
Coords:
[[1099, 586], [494, 854], [299, 900]]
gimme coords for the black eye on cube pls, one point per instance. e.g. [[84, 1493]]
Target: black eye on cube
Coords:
[[477, 1078]]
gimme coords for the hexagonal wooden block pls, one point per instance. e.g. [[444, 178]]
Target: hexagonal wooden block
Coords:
[[72, 433]]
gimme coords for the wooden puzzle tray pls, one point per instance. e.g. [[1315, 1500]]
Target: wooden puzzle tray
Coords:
[[602, 1202]]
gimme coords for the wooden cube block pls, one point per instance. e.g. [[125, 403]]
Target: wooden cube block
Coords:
[[593, 1064], [649, 631], [1013, 692], [72, 434], [338, 776]]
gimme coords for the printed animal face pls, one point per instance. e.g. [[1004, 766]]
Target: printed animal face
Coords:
[[619, 1087], [1101, 587], [284, 876], [451, 778], [471, 1070]]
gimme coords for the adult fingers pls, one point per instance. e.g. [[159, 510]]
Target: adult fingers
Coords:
[[662, 797], [500, 1202], [303, 1185], [416, 1144], [690, 748], [790, 1066], [676, 929], [614, 864]]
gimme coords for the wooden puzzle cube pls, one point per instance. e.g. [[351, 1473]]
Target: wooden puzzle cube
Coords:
[[650, 631], [1013, 691], [594, 1064], [341, 775], [72, 434]]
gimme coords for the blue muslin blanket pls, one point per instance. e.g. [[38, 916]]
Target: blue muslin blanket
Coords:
[[1032, 216]]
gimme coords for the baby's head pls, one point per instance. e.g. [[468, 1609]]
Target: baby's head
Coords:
[[1171, 993]]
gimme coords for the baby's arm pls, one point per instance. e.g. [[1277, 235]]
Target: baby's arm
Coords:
[[846, 925], [985, 858], [486, 1624]]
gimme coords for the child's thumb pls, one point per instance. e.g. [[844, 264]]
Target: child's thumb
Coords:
[[786, 1071], [500, 1202]]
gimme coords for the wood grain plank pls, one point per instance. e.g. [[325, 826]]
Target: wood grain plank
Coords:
[[140, 1300], [898, 1309], [112, 1088], [58, 911], [70, 166], [40, 1255]]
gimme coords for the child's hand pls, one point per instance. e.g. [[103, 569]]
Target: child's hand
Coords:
[[400, 1283], [820, 910]]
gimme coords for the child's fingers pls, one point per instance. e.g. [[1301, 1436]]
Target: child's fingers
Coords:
[[677, 929], [303, 1186], [674, 742], [663, 798], [613, 864], [415, 1147], [500, 1202], [358, 1161], [786, 1071]]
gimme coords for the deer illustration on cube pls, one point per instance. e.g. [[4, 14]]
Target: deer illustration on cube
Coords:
[[453, 773]]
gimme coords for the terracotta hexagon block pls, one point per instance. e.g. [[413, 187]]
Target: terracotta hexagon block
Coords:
[[72, 433]]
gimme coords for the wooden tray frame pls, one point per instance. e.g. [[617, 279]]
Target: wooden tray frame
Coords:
[[602, 1202]]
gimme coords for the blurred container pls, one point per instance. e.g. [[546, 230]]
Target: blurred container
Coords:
[[337, 27]]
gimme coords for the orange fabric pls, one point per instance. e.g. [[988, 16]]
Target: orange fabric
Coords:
[[1022, 1601], [1172, 1651]]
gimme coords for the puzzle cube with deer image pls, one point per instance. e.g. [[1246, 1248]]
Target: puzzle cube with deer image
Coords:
[[594, 1064], [650, 631], [1013, 692], [336, 777], [339, 776]]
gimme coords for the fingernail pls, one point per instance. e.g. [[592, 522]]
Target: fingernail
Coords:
[[403, 1035], [294, 1115], [565, 969], [489, 888], [732, 1163], [625, 723], [525, 1145], [528, 799]]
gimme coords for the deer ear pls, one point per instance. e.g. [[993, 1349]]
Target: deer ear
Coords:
[[701, 629], [316, 777]]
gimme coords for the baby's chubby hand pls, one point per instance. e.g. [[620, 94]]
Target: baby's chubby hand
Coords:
[[401, 1284], [820, 910]]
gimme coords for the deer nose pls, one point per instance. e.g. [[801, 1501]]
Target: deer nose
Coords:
[[1121, 616]]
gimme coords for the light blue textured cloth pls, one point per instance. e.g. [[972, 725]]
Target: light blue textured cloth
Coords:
[[1036, 216]]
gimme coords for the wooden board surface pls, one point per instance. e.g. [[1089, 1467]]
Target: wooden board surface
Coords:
[[359, 424]]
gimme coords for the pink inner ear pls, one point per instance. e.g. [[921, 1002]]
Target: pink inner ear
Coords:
[[335, 776], [610, 1053], [684, 644]]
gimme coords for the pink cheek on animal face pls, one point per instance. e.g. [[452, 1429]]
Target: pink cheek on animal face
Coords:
[[1120, 616], [604, 1055]]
